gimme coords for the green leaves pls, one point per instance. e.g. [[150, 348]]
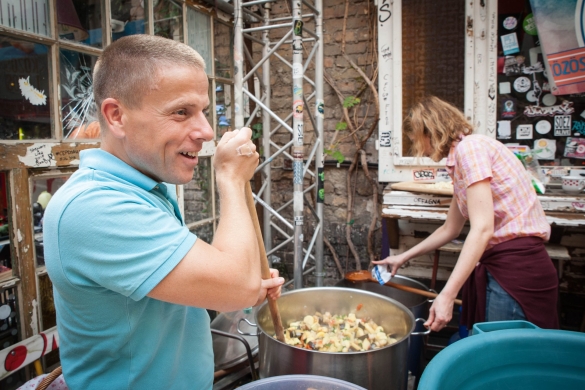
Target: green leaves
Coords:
[[256, 130], [341, 126], [350, 101], [336, 154]]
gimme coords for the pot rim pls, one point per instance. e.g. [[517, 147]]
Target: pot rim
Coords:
[[350, 290]]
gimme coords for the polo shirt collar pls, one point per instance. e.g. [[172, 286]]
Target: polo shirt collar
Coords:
[[450, 163], [101, 160]]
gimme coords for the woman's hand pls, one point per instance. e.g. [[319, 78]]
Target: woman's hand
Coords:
[[394, 262], [440, 313], [270, 287]]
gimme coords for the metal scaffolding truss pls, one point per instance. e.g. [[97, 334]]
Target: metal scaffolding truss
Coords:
[[306, 155]]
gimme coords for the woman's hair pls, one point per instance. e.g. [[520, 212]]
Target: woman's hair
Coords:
[[442, 122]]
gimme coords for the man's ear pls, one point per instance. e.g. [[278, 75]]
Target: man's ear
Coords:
[[113, 113]]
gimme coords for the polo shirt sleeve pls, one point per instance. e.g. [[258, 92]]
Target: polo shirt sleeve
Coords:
[[120, 242], [473, 161]]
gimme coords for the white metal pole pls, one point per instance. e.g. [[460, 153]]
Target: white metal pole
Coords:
[[298, 134], [319, 116]]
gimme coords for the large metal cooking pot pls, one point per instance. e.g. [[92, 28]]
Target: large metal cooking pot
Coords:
[[384, 368], [417, 304]]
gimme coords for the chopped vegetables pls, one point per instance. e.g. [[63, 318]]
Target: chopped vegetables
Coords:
[[335, 333]]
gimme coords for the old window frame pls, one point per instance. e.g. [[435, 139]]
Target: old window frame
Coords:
[[479, 86]]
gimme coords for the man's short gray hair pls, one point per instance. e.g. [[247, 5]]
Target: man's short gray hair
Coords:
[[128, 68]]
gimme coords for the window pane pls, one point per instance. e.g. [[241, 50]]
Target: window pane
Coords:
[[78, 109], [433, 53], [5, 255], [128, 18], [43, 189], [80, 21], [168, 19], [224, 44], [197, 193], [223, 108], [198, 30], [26, 15], [24, 90]]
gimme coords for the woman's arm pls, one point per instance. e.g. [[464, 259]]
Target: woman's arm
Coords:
[[481, 218], [447, 232]]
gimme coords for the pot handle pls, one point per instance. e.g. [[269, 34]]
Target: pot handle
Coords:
[[433, 291], [421, 333], [249, 323]]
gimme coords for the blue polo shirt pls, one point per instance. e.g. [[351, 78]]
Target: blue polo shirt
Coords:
[[111, 234]]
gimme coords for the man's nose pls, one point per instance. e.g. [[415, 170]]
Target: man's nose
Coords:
[[202, 129]]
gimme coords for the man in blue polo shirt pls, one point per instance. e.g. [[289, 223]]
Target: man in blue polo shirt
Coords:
[[131, 282]]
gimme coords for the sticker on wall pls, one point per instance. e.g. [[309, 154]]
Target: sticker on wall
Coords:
[[549, 99], [578, 127], [423, 174], [297, 91], [522, 84], [510, 23], [565, 108], [298, 109], [575, 148], [320, 109], [513, 65], [297, 70], [442, 175], [385, 139], [562, 125], [529, 26], [508, 108], [510, 43], [298, 28], [505, 88], [543, 127], [504, 130], [531, 97], [545, 149], [524, 132], [30, 93]]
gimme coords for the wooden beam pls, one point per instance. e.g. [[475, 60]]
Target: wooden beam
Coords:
[[24, 264]]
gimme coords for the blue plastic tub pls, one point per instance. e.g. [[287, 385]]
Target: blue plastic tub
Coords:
[[509, 355], [300, 382]]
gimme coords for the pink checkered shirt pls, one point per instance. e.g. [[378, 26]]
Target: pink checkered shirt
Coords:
[[517, 210]]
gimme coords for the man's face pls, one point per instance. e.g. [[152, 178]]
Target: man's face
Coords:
[[164, 135]]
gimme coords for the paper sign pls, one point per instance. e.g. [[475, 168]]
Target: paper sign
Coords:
[[561, 28], [562, 125], [504, 130], [575, 148], [510, 43], [545, 149], [524, 132]]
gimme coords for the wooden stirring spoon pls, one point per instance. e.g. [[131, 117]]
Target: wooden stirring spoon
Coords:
[[272, 305], [366, 276]]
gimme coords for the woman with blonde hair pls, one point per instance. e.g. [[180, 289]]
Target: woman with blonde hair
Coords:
[[503, 269]]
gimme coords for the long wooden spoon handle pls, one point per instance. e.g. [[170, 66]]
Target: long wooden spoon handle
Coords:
[[273, 306], [427, 294]]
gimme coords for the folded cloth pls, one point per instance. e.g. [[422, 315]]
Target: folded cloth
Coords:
[[525, 271]]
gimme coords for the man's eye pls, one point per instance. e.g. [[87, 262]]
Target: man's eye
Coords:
[[181, 112], [207, 111]]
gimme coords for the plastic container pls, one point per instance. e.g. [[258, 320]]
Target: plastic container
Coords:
[[300, 382], [509, 355]]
